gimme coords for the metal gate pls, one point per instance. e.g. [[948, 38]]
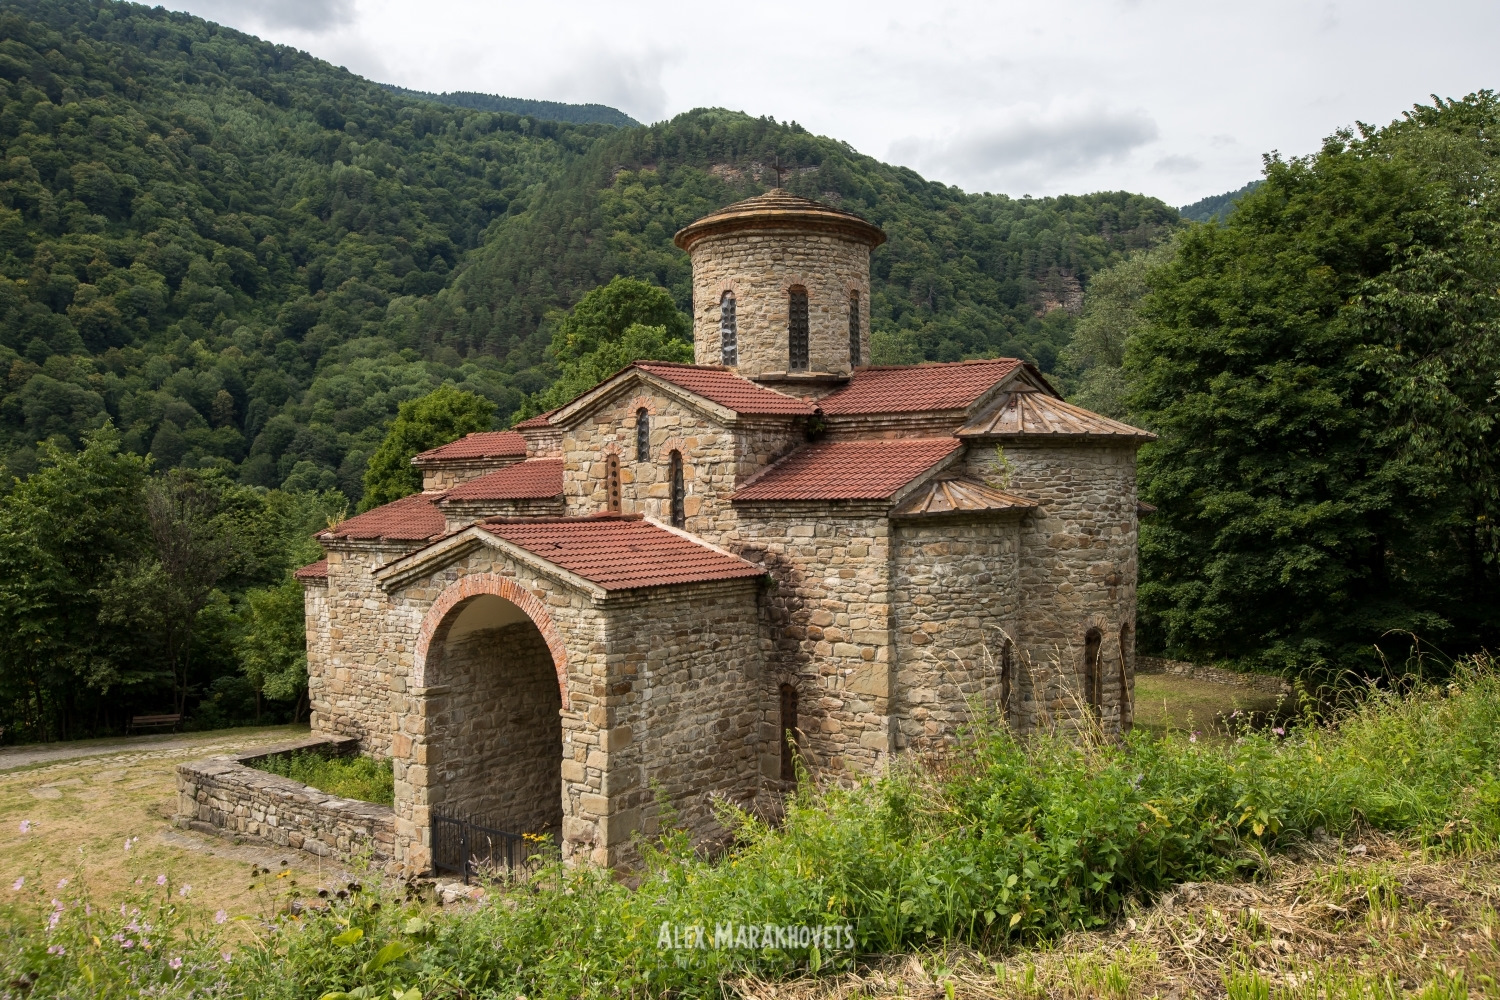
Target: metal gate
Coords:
[[464, 847]]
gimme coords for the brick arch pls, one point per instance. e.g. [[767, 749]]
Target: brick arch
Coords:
[[671, 444], [474, 585], [647, 403]]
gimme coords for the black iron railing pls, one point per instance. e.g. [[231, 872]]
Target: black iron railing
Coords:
[[466, 847]]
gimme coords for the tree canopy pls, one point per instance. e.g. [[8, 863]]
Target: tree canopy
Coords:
[[1322, 369], [443, 415]]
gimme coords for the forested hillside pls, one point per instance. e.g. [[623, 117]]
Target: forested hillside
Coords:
[[582, 114], [1218, 206], [247, 258]]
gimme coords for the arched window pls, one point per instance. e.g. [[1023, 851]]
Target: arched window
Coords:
[[854, 358], [1127, 711], [796, 329], [729, 337], [612, 481], [642, 435], [1093, 679], [788, 732], [1007, 678], [679, 512]]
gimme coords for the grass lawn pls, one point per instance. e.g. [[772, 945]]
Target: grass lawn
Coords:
[[1166, 701], [82, 811]]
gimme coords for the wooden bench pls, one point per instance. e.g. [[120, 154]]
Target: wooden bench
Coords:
[[154, 722]]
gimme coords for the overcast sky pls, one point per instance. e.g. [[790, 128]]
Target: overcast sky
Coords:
[[1175, 99]]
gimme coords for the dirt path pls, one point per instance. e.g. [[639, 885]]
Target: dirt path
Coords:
[[133, 748]]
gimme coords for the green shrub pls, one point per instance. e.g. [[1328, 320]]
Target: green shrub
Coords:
[[1007, 842], [347, 777]]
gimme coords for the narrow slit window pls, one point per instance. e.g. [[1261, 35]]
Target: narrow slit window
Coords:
[[679, 505], [854, 345], [642, 435], [1007, 679], [796, 329], [612, 481], [1127, 712], [788, 733], [729, 336], [1093, 680]]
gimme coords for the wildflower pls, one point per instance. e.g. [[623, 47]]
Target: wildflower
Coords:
[[57, 904], [175, 963], [52, 920], [161, 880], [25, 826], [127, 944], [57, 949], [220, 917], [225, 955], [129, 841], [184, 890], [1279, 731], [1194, 737], [16, 885], [62, 883]]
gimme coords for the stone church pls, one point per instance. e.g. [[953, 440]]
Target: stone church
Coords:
[[692, 576]]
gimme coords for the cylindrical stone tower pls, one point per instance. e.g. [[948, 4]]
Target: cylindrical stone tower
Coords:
[[781, 288]]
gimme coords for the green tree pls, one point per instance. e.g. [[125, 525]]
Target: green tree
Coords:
[[443, 415], [1322, 371], [624, 321], [272, 643]]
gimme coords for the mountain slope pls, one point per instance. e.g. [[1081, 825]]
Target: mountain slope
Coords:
[[581, 114], [962, 275], [1219, 206]]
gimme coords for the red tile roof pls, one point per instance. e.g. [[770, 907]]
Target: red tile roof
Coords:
[[535, 479], [313, 571], [413, 518], [482, 444], [916, 388], [848, 470], [622, 553], [729, 390], [540, 420]]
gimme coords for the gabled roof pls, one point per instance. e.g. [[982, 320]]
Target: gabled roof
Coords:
[[1027, 412], [534, 479], [918, 388], [728, 389], [481, 444], [413, 518], [848, 470], [778, 209], [618, 552], [540, 420], [313, 571], [954, 496]]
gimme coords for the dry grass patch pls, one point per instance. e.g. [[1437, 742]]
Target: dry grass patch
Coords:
[[1165, 702]]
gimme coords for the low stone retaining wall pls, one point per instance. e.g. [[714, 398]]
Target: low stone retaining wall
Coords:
[[1269, 683], [226, 797]]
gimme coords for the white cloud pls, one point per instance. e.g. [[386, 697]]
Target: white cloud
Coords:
[[627, 80], [1178, 164], [277, 15]]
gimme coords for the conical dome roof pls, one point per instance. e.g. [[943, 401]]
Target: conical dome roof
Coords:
[[778, 209]]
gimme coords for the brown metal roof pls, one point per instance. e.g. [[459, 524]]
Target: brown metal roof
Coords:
[[848, 470], [482, 444], [953, 496], [778, 209], [621, 552], [917, 388], [534, 479], [1028, 412]]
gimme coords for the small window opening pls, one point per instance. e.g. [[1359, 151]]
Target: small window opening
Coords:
[[854, 358], [642, 435], [1007, 679], [796, 329], [1093, 679], [612, 481], [1127, 711], [729, 339], [788, 732], [679, 511]]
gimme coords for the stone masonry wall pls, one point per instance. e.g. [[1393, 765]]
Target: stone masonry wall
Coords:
[[956, 600], [497, 733], [760, 267], [446, 475], [1078, 571], [226, 797], [315, 615], [825, 628]]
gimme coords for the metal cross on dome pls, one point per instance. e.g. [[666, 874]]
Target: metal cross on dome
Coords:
[[779, 171]]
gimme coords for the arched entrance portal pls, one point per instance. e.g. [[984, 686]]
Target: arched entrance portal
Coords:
[[494, 717]]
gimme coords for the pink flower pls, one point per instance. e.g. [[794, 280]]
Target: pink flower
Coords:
[[161, 880], [225, 956], [57, 949], [62, 883], [175, 963], [127, 944], [184, 890], [1279, 731], [1193, 738], [25, 826], [220, 917], [129, 841], [16, 885], [52, 920]]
